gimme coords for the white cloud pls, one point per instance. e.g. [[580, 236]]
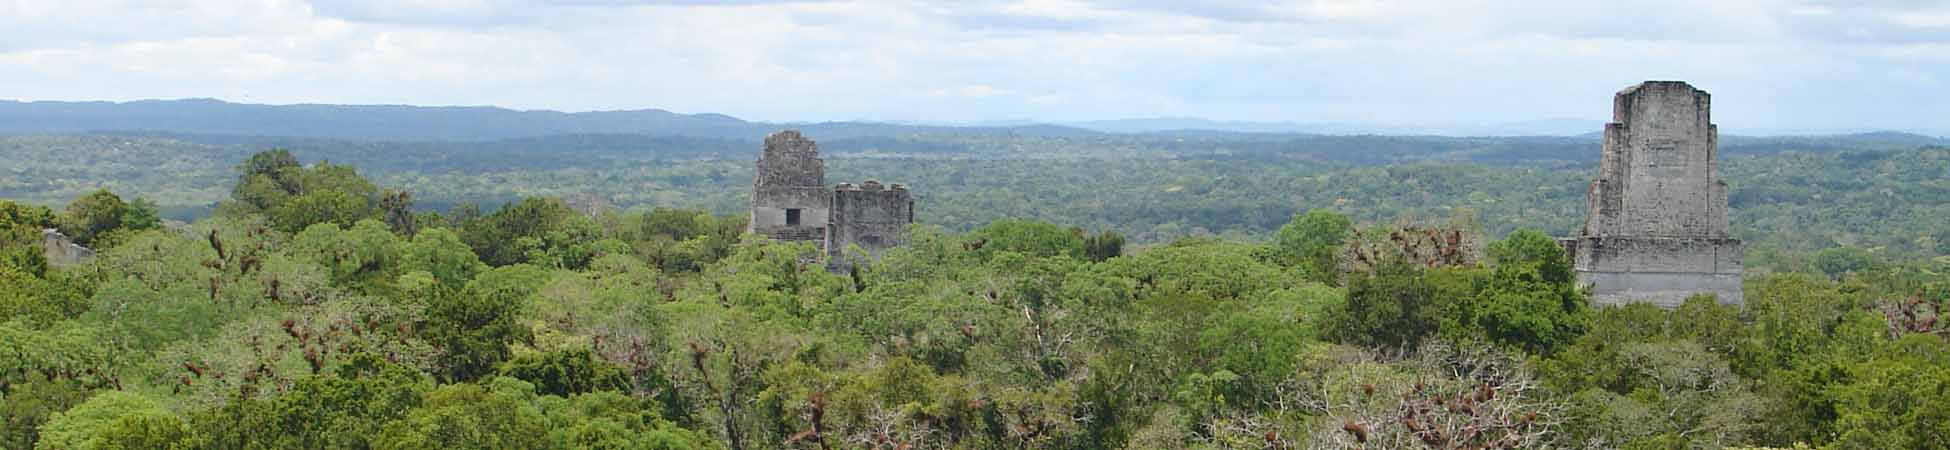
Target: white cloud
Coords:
[[1921, 19], [971, 91], [1771, 63]]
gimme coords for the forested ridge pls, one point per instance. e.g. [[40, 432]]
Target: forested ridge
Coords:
[[1879, 192], [1326, 305]]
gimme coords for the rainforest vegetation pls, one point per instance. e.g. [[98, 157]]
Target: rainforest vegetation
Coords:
[[1790, 196], [1081, 302]]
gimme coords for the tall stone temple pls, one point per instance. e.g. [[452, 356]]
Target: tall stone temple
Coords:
[[1657, 230], [789, 193], [869, 215], [791, 202]]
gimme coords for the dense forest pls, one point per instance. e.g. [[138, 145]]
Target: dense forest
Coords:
[[1263, 301], [1883, 193]]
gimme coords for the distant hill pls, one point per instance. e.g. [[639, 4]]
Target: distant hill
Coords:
[[1881, 140], [1171, 124], [398, 122], [1551, 127], [483, 128]]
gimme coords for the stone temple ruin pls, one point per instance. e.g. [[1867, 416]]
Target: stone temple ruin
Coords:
[[790, 199], [870, 216], [1657, 231], [790, 202], [62, 252]]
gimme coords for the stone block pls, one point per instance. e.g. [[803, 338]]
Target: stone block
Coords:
[[1657, 230]]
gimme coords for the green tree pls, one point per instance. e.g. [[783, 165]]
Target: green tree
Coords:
[[1103, 246], [1896, 400], [676, 225], [36, 300], [363, 257], [23, 215], [111, 420], [266, 180], [1531, 299], [1533, 246], [343, 410], [1395, 306], [545, 226], [320, 207], [564, 373], [718, 356], [1439, 396], [68, 351], [20, 236], [273, 183], [145, 319], [396, 208], [1798, 320], [1841, 260], [612, 420], [145, 432], [475, 326], [93, 215], [499, 415], [1260, 346], [1027, 237], [1315, 240], [29, 400], [141, 214], [1671, 394], [441, 254]]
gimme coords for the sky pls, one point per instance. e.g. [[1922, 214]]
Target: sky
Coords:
[[1770, 64]]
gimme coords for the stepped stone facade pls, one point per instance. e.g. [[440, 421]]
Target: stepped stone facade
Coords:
[[62, 252], [790, 202], [789, 194], [1657, 231], [870, 216]]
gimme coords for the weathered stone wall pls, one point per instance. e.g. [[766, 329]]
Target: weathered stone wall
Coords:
[[1657, 232], [870, 216], [1666, 290], [790, 175], [1659, 174], [1641, 254], [60, 251], [1658, 270]]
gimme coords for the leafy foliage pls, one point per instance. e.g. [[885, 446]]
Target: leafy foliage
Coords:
[[91, 218], [318, 311], [1793, 195], [1531, 299], [1316, 240], [294, 197]]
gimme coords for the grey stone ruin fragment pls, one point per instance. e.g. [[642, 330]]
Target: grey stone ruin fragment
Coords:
[[1657, 230], [790, 202], [789, 194], [62, 252], [870, 216]]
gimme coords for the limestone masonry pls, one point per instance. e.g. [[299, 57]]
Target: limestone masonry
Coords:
[[789, 194], [60, 251], [1657, 231], [790, 202], [870, 216]]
